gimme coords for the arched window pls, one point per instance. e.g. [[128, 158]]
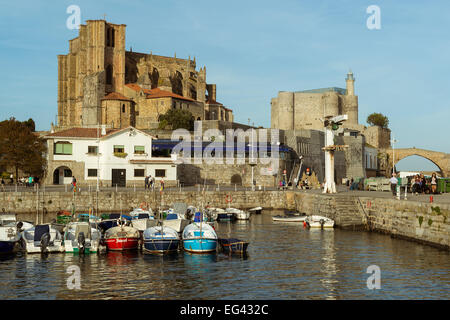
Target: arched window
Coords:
[[109, 74]]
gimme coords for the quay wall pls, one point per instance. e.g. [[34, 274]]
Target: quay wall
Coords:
[[427, 223]]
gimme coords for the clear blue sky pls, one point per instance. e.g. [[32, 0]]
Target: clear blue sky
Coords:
[[252, 50]]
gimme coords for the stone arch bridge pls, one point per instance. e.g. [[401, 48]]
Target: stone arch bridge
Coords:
[[440, 159]]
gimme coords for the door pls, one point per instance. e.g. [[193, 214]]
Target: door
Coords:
[[56, 176], [119, 177]]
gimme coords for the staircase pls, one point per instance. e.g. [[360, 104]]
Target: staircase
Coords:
[[348, 212]]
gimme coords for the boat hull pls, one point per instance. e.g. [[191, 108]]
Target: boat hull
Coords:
[[200, 245], [92, 247], [289, 218], [161, 245], [225, 217], [7, 246], [35, 247], [177, 224], [119, 244], [231, 246]]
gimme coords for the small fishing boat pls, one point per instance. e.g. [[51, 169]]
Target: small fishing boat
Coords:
[[42, 238], [239, 214], [109, 221], [80, 237], [138, 211], [256, 210], [161, 239], [9, 234], [122, 238], [176, 221], [223, 215], [232, 245], [289, 218], [199, 237], [319, 222], [143, 221]]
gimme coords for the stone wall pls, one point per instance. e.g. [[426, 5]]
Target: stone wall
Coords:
[[423, 222]]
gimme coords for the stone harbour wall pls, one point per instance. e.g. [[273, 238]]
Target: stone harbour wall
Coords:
[[426, 223]]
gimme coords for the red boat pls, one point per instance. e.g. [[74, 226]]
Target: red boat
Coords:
[[122, 238]]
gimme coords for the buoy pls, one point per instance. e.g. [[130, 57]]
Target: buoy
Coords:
[[304, 224], [431, 199]]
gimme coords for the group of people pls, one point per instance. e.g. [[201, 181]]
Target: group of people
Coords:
[[24, 181], [150, 182], [418, 183]]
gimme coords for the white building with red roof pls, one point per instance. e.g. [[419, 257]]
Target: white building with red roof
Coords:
[[121, 157]]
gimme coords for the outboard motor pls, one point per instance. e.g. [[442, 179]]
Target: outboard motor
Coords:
[[19, 226], [45, 241], [322, 222], [81, 242]]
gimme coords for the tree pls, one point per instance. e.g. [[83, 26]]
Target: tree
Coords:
[[378, 119], [21, 149], [177, 118]]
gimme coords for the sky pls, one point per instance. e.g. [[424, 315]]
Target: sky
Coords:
[[252, 50]]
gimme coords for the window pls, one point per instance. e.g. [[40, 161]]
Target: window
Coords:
[[138, 172], [109, 74], [139, 149], [160, 173], [123, 108], [92, 149], [67, 173], [63, 148], [92, 172], [119, 149]]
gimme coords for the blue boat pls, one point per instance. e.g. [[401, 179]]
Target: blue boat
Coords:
[[199, 237], [160, 239]]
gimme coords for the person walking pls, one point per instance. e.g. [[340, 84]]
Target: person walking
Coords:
[[162, 184], [393, 181], [146, 182], [433, 183], [74, 184]]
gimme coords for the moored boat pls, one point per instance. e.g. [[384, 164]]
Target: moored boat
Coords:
[[161, 239], [239, 214], [256, 210], [122, 238], [319, 222], [232, 245], [42, 238], [9, 234], [199, 237], [176, 221], [289, 218], [80, 237]]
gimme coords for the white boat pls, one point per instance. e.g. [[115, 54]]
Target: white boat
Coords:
[[139, 211], [319, 222], [239, 214], [199, 237], [9, 234], [176, 221], [256, 210], [289, 218], [80, 237], [43, 238]]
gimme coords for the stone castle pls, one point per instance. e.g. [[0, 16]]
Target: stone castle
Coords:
[[99, 82]]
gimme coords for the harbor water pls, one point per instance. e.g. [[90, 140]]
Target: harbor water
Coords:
[[284, 261]]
